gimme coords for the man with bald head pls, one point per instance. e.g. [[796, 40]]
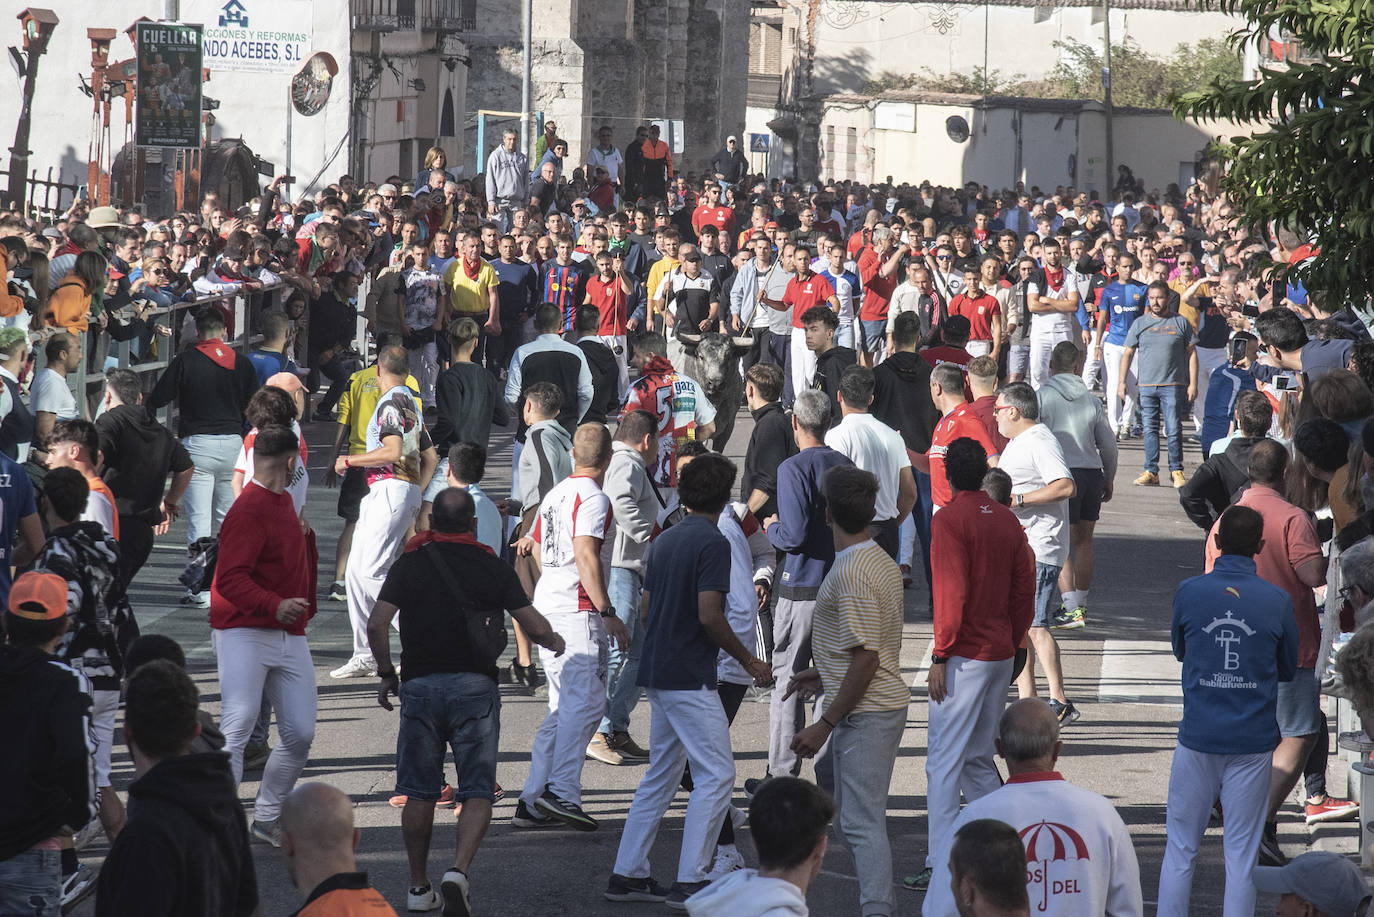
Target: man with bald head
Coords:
[[318, 840], [1100, 874]]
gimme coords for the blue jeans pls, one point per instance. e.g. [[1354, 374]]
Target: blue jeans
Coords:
[[461, 711], [621, 691], [1156, 400], [210, 492], [1046, 593], [31, 884]]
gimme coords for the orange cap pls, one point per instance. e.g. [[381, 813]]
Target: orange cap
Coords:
[[39, 596]]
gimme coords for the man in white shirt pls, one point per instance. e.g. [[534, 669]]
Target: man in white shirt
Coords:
[[1052, 298], [51, 399], [1041, 485], [605, 156], [878, 449]]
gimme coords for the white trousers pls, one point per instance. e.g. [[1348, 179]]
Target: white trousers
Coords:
[[979, 348], [1119, 413], [622, 369], [801, 362], [960, 747], [1208, 359], [424, 366], [684, 727], [1041, 346], [577, 700], [1092, 366], [384, 515], [254, 661], [1196, 780]]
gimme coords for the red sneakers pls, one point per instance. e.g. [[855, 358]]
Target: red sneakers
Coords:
[[1330, 809], [445, 799]]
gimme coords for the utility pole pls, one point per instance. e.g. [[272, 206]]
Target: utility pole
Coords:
[[526, 135], [1107, 92]]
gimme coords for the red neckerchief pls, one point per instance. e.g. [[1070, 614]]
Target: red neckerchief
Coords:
[[1035, 777], [221, 353], [658, 366], [980, 234], [426, 537], [473, 271], [1055, 279], [68, 248]]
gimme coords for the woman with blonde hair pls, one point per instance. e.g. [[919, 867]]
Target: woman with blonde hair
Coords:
[[435, 160]]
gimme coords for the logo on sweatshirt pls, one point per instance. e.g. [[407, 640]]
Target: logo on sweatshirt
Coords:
[[1229, 632]]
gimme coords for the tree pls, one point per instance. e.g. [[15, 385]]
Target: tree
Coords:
[[1308, 163]]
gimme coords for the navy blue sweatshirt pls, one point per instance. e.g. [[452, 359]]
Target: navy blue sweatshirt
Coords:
[[1237, 638], [801, 530]]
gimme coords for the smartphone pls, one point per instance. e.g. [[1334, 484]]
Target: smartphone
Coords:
[[1239, 348], [1250, 309], [1286, 382], [288, 179]]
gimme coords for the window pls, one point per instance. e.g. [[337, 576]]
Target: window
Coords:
[[446, 117]]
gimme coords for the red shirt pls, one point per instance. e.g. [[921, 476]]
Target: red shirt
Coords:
[[857, 242], [264, 557], [722, 217], [610, 300], [983, 408], [877, 289], [960, 422], [979, 310], [984, 579], [801, 295]]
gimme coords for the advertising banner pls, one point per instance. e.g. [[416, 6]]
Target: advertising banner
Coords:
[[169, 66], [254, 36]]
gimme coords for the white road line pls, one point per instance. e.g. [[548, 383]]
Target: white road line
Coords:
[[1139, 672]]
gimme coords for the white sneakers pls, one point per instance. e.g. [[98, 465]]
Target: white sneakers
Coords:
[[357, 667], [728, 859]]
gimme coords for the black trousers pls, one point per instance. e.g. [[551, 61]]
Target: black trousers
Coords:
[[887, 534], [135, 545]]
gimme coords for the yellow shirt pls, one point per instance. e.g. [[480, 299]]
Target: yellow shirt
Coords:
[[1180, 286], [657, 272], [470, 296], [859, 605], [358, 402]]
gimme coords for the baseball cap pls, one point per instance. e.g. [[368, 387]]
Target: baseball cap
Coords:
[[770, 225], [1332, 883], [114, 274], [289, 382], [39, 596], [732, 137]]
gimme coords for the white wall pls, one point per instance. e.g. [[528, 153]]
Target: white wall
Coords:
[[253, 106]]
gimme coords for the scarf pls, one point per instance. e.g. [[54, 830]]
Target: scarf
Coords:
[[658, 366], [220, 353], [430, 536], [473, 270], [1055, 279]]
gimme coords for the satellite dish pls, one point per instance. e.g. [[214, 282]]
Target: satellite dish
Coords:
[[956, 126]]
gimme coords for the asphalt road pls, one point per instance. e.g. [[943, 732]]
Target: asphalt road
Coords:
[[1119, 673]]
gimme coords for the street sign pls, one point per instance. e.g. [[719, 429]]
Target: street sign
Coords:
[[758, 143], [169, 100]]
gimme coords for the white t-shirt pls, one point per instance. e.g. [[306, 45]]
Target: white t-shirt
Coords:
[[300, 479], [1055, 324], [50, 393], [876, 448], [575, 506], [1035, 459]]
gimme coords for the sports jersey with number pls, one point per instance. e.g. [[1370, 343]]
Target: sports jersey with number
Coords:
[[680, 406]]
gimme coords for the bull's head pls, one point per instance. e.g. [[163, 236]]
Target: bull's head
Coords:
[[717, 363]]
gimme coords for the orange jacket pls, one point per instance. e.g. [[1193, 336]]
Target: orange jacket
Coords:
[[68, 305], [657, 152]]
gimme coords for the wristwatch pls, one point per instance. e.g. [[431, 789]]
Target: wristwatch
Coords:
[[1020, 500], [387, 675], [938, 660], [606, 612]]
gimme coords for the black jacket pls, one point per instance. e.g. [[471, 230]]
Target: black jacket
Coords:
[[210, 398], [730, 166], [469, 403], [1217, 482], [138, 453], [184, 849], [770, 445], [605, 371], [47, 772], [901, 398], [829, 367]]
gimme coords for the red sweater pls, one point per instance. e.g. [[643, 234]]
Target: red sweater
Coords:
[[264, 557], [984, 578]]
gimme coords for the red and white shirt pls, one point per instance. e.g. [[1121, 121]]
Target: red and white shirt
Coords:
[[300, 479], [801, 295], [979, 310], [961, 421], [576, 506], [610, 300]]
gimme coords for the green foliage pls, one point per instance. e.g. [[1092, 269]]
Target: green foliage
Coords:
[[1138, 78], [1309, 157]]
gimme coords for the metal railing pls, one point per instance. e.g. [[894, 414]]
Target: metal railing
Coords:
[[398, 15]]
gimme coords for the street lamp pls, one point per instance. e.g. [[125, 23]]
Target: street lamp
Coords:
[[37, 25]]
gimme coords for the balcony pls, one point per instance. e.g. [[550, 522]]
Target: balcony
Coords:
[[408, 15]]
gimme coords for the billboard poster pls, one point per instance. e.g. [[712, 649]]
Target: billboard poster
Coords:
[[254, 36], [169, 66]]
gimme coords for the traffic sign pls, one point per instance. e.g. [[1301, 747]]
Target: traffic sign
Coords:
[[758, 143]]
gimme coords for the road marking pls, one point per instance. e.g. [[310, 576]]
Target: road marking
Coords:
[[924, 662], [1139, 672]]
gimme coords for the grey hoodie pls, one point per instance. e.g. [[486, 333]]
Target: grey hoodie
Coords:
[[1079, 422], [633, 503], [545, 460], [744, 893]]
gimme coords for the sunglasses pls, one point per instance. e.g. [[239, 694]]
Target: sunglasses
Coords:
[[943, 258]]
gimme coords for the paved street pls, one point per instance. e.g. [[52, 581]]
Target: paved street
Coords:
[[1119, 672]]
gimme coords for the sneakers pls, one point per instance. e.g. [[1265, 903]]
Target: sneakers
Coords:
[[906, 575], [629, 749], [623, 888], [423, 899], [445, 799], [1178, 479], [560, 809], [87, 834], [919, 882], [77, 887], [338, 593], [255, 757], [357, 667], [1329, 809], [1147, 479], [1270, 853], [269, 832], [680, 892], [196, 599], [525, 817], [728, 859], [1066, 712], [1070, 620], [751, 786], [599, 749], [526, 676], [454, 889]]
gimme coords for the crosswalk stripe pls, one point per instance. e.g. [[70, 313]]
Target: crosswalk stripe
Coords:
[[1139, 672]]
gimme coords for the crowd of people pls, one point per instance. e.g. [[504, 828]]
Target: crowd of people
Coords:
[[938, 380]]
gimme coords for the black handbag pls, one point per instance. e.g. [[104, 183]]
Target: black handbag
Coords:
[[486, 628]]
